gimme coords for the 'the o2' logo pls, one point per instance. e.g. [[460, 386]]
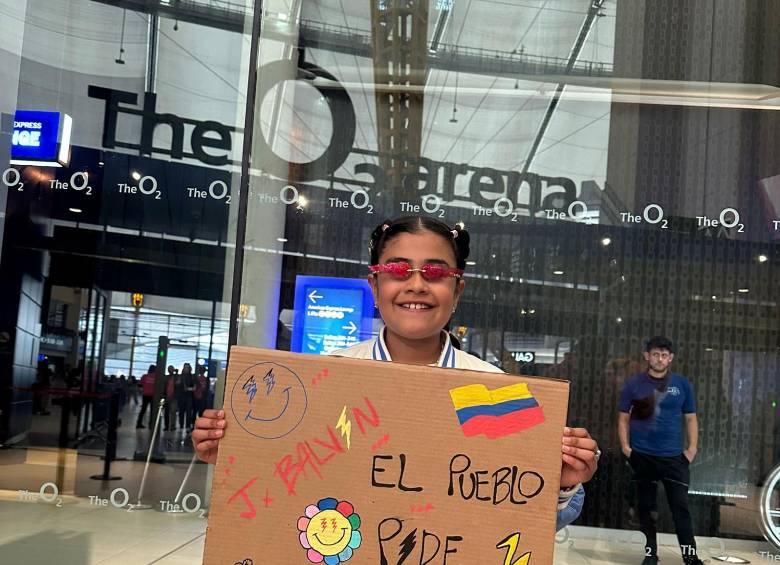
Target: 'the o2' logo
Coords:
[[342, 113]]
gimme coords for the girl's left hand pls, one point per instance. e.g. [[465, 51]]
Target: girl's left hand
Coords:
[[579, 459]]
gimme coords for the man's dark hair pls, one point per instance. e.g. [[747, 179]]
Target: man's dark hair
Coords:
[[659, 342]]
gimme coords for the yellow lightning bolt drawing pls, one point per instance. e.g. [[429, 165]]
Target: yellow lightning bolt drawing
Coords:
[[510, 543], [344, 425]]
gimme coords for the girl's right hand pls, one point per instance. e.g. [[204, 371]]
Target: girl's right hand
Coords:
[[209, 429]]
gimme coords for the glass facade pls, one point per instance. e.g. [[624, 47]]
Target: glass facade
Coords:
[[172, 170]]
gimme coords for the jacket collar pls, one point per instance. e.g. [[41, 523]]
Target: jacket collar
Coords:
[[379, 351]]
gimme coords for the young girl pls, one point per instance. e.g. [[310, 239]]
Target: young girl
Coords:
[[416, 274]]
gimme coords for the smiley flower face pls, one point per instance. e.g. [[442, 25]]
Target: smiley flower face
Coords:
[[329, 531]]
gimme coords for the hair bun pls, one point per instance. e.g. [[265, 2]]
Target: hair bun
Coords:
[[377, 233]]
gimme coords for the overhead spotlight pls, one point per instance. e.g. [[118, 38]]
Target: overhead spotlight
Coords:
[[471, 263], [619, 320], [557, 272], [714, 297], [75, 210], [762, 258], [136, 175], [743, 290], [605, 241], [281, 239]]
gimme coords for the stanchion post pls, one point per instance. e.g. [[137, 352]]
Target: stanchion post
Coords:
[[139, 505], [110, 454], [65, 419], [176, 508]]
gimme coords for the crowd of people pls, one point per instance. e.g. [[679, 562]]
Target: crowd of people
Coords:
[[187, 395]]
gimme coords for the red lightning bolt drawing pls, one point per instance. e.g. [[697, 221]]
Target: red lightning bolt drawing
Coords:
[[324, 524], [333, 521]]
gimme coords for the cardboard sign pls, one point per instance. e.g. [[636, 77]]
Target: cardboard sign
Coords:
[[327, 460]]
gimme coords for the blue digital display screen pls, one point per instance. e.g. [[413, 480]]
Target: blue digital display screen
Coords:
[[330, 314], [35, 135]]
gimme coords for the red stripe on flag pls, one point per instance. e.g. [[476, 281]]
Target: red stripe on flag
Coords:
[[499, 426]]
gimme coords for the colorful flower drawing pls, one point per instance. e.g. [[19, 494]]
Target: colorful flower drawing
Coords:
[[329, 531]]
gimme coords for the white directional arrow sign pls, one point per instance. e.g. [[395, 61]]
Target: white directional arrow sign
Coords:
[[351, 327], [313, 296]]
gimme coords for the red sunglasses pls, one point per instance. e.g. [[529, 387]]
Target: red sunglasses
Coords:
[[401, 271]]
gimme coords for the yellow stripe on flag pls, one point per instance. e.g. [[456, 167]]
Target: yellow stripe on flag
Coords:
[[476, 395]]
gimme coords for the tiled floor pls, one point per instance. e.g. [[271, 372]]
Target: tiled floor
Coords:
[[75, 533]]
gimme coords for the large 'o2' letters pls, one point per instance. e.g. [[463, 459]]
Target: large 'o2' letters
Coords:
[[342, 113]]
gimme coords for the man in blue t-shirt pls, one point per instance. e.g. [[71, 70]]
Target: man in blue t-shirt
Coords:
[[654, 408]]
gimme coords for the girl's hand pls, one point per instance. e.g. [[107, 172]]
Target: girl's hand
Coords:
[[578, 457], [209, 429]]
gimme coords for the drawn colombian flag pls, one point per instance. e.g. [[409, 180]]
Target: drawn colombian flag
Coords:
[[496, 413]]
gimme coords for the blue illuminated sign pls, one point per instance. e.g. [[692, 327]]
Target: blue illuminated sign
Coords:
[[330, 314], [40, 138]]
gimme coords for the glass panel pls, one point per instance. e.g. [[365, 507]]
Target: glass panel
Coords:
[[616, 167], [615, 164], [120, 158]]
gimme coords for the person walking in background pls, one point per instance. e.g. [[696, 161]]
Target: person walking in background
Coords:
[[653, 406], [147, 391], [185, 386], [201, 393], [132, 390], [170, 398], [121, 386]]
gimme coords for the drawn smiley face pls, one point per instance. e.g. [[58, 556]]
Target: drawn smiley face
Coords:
[[268, 400], [329, 532]]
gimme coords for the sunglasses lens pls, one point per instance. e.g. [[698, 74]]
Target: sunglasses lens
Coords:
[[399, 271], [433, 272]]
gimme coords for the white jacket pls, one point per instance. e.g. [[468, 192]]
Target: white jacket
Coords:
[[450, 356]]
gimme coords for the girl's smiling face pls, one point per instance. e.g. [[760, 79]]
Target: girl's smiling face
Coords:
[[415, 308]]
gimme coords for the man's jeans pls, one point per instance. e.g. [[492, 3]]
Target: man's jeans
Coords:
[[674, 473]]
